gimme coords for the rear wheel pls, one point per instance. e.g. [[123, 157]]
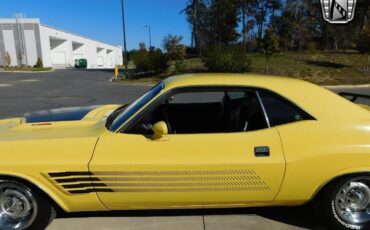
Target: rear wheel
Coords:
[[346, 203], [21, 207]]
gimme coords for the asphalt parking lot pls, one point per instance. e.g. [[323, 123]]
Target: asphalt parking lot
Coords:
[[21, 93]]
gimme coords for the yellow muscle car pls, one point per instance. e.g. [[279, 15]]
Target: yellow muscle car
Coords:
[[193, 141]]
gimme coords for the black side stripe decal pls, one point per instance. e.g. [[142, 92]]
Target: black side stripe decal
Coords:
[[84, 185], [84, 182], [90, 190], [77, 179], [69, 174]]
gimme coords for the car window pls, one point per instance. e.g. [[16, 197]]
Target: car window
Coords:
[[196, 97], [280, 111], [209, 111], [134, 107]]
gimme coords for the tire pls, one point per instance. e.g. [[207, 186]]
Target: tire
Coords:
[[349, 193], [23, 207]]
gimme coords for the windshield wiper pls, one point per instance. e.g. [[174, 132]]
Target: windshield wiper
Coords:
[[114, 114]]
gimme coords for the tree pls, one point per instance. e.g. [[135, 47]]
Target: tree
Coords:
[[196, 12], [142, 46], [269, 45], [246, 10], [172, 45], [364, 44], [223, 22], [20, 58], [8, 59], [260, 16], [274, 6]]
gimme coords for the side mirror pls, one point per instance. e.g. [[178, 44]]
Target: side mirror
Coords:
[[160, 129]]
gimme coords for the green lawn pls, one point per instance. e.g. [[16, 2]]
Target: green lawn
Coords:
[[319, 68], [25, 69]]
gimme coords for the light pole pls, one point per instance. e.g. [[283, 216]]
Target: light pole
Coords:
[[150, 36], [124, 39]]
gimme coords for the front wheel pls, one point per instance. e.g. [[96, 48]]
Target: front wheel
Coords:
[[21, 207], [346, 203]]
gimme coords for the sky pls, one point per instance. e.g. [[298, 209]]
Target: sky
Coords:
[[102, 20]]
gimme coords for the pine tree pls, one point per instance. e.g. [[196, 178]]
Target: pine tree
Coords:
[[269, 45], [223, 22]]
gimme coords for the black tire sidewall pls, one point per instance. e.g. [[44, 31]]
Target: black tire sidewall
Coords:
[[45, 211], [329, 214]]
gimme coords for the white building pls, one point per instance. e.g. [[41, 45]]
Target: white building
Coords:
[[26, 40]]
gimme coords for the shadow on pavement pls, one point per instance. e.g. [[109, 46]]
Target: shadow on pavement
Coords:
[[302, 217]]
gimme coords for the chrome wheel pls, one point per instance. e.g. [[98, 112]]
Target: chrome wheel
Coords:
[[352, 202], [18, 207]]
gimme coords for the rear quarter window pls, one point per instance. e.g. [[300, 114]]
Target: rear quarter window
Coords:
[[281, 111]]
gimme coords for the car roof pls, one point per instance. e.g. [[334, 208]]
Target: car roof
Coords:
[[203, 79], [318, 101]]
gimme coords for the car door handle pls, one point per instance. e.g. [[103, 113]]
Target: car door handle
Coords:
[[262, 151]]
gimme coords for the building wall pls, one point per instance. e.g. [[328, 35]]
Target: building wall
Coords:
[[13, 36], [57, 48], [56, 43]]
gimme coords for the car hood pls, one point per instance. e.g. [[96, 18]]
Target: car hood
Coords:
[[61, 114], [366, 107], [73, 122]]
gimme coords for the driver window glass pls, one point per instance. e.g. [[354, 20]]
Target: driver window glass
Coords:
[[215, 111], [196, 97]]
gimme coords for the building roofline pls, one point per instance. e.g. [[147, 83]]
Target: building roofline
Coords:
[[13, 20], [37, 20], [65, 31]]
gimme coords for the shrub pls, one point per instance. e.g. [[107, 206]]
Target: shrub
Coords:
[[153, 60], [227, 60], [39, 63], [8, 59], [180, 66], [172, 45], [158, 60], [140, 59]]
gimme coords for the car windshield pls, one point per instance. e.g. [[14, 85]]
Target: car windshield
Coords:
[[134, 107]]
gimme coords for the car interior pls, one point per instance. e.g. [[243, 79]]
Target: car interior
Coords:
[[207, 112]]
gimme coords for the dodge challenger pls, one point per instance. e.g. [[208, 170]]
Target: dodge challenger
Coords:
[[192, 141]]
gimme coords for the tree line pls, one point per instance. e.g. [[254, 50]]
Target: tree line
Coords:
[[298, 25], [224, 32]]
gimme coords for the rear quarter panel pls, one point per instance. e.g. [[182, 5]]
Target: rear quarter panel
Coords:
[[318, 151]]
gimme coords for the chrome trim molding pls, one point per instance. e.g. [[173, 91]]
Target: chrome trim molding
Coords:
[[263, 109]]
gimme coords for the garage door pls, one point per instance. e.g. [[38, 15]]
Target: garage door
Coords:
[[77, 56], [110, 61], [58, 58], [100, 61]]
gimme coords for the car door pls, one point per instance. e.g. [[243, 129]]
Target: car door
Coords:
[[188, 170]]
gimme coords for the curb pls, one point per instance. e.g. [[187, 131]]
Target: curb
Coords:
[[46, 71], [131, 83], [347, 86]]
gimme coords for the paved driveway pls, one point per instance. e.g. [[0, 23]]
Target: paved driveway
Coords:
[[20, 93]]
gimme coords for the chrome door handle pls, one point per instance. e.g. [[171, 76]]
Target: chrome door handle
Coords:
[[262, 151]]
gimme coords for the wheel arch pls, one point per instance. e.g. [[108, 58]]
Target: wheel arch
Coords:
[[57, 203], [321, 190]]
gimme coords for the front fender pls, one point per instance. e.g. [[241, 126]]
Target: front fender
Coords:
[[69, 203]]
